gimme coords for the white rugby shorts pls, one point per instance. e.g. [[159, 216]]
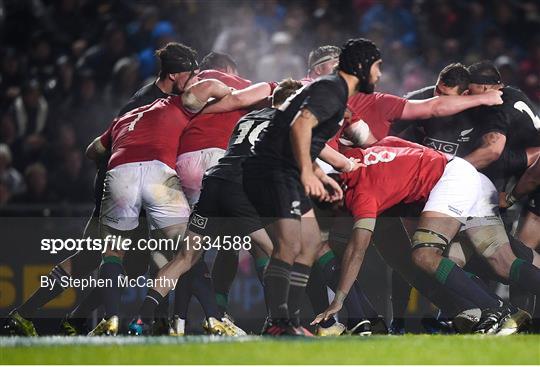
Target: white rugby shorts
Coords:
[[190, 168], [151, 185]]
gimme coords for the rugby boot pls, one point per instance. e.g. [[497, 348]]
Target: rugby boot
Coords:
[[18, 325], [363, 328], [333, 330], [214, 326], [138, 328], [434, 325], [491, 320], [378, 326], [228, 320], [107, 327], [69, 327], [465, 321], [519, 320], [177, 326], [280, 327]]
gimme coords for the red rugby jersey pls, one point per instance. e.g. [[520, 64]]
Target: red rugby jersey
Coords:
[[150, 132], [397, 171]]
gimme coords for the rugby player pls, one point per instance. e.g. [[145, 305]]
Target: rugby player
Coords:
[[442, 216], [178, 68], [202, 144], [157, 189], [281, 175], [222, 208]]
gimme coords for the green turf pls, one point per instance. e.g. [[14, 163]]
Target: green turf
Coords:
[[409, 349]]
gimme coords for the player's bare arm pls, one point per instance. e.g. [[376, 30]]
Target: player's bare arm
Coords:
[[338, 160], [489, 151], [95, 151], [195, 97], [528, 182], [350, 267], [300, 137], [239, 99], [448, 105]]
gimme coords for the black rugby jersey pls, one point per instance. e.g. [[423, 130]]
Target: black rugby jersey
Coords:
[[517, 118], [326, 98], [457, 135], [241, 142]]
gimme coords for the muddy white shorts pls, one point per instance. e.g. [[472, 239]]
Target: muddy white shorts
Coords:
[[190, 168], [152, 186]]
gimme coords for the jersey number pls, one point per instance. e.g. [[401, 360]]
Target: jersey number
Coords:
[[244, 128], [132, 124], [379, 157], [523, 107]]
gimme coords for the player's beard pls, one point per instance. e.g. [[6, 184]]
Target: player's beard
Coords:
[[176, 89], [367, 88]]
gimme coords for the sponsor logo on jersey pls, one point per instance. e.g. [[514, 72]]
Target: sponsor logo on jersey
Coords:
[[199, 221], [441, 145]]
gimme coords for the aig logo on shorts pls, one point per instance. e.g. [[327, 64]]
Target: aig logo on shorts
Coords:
[[199, 221], [295, 208]]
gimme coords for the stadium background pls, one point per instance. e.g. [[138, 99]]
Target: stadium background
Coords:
[[67, 66]]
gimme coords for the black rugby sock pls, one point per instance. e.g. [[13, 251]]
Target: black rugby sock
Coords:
[[223, 274], [299, 280], [43, 294], [318, 294], [276, 288], [455, 278], [148, 308], [182, 295], [111, 270], [526, 275], [88, 304], [202, 288]]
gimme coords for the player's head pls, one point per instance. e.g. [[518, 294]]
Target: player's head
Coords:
[[323, 61], [284, 90], [361, 57], [484, 76], [178, 65], [219, 61], [453, 80]]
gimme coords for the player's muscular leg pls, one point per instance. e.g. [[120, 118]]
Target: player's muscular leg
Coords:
[[288, 243], [311, 239], [428, 254], [262, 241], [174, 231], [114, 248], [528, 231], [188, 255]]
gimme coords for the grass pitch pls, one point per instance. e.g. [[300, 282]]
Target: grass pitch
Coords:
[[408, 349]]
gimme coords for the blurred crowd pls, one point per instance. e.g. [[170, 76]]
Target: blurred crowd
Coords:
[[67, 66]]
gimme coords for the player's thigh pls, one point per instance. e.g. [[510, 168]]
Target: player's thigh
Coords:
[[311, 238], [162, 197], [529, 226], [122, 197]]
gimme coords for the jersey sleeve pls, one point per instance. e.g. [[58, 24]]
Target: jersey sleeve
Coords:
[[496, 120], [390, 106], [322, 101]]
